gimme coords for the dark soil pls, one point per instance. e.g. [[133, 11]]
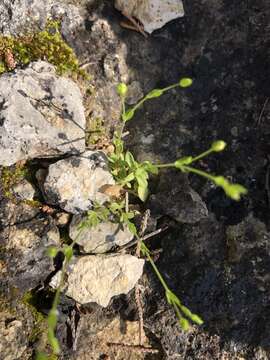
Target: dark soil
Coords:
[[224, 47]]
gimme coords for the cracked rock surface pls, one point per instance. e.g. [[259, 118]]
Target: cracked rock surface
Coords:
[[101, 238], [99, 278], [41, 115], [76, 183]]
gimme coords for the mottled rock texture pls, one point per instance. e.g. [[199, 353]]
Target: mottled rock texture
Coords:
[[99, 278], [153, 14], [41, 115], [76, 182], [101, 238]]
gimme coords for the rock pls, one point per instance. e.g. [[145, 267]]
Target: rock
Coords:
[[153, 14], [177, 199], [12, 213], [16, 327], [39, 117], [134, 93], [101, 238], [99, 278], [25, 256], [97, 344], [62, 219], [24, 190], [15, 15], [19, 16], [75, 183]]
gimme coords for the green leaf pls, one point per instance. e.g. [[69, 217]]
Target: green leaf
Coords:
[[153, 169], [128, 115], [41, 356], [184, 323], [183, 161], [129, 159], [196, 319], [154, 93], [132, 228], [141, 173], [52, 251], [68, 252], [143, 192]]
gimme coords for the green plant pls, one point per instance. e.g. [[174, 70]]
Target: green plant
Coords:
[[47, 44], [134, 177]]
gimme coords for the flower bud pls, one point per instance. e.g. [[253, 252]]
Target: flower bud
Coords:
[[218, 145], [185, 82], [122, 89]]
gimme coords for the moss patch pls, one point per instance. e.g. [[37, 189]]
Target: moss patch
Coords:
[[95, 131], [45, 45], [10, 177]]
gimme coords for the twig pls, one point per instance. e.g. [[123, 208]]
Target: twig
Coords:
[[148, 236], [137, 290], [267, 185], [137, 348], [262, 111]]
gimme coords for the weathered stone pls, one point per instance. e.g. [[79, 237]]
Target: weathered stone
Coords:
[[24, 190], [177, 199], [99, 278], [134, 93], [62, 219], [12, 213], [101, 238], [39, 116], [97, 344], [25, 252], [16, 326], [76, 182], [16, 18], [153, 14]]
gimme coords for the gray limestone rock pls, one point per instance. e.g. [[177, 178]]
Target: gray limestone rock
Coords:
[[99, 278], [25, 259], [24, 190], [41, 115], [101, 238], [76, 182]]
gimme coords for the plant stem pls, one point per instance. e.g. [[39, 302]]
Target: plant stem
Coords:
[[198, 172], [205, 153], [160, 277], [160, 166]]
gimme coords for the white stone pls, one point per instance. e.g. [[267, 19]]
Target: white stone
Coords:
[[99, 278], [101, 238], [41, 115], [153, 14], [76, 182]]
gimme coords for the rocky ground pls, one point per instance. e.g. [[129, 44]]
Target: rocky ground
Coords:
[[215, 253]]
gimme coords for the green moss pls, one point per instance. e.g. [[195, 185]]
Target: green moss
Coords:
[[46, 45], [96, 131], [10, 177], [30, 299]]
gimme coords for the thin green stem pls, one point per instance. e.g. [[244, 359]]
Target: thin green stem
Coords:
[[146, 96], [205, 153], [170, 87], [146, 251], [160, 166], [198, 172]]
